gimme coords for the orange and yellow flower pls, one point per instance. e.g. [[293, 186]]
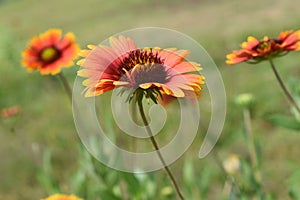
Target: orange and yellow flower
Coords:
[[50, 51], [254, 50], [62, 197], [154, 71]]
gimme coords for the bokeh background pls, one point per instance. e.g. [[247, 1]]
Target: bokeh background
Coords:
[[45, 125]]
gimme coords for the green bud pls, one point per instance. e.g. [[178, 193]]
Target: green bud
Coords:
[[244, 100]]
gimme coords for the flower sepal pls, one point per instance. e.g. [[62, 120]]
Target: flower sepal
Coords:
[[137, 95]]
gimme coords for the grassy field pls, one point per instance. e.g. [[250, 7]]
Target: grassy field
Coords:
[[46, 122]]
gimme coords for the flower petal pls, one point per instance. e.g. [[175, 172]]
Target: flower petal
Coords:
[[251, 42], [122, 45]]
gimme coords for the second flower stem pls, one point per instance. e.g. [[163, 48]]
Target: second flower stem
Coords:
[[156, 147], [66, 85], [251, 145], [286, 92]]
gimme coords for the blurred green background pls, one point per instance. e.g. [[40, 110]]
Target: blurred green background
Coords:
[[46, 123]]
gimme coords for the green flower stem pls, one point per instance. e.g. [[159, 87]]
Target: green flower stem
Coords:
[[286, 92], [134, 118], [154, 143], [251, 144], [133, 140], [66, 85]]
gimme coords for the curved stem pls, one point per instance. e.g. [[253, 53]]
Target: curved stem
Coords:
[[66, 85], [154, 143], [286, 92]]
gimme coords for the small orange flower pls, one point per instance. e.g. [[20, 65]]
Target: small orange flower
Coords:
[[254, 51], [49, 51], [9, 112], [62, 197], [153, 71]]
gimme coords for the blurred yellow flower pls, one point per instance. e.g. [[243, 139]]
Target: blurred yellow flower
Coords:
[[62, 197], [232, 164]]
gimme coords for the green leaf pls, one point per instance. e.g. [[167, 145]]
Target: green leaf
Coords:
[[108, 195], [285, 122], [204, 181], [132, 183], [294, 185], [45, 175], [188, 173], [78, 182]]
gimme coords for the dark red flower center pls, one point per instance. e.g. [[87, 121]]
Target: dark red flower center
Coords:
[[141, 57], [139, 67], [267, 47], [49, 55], [263, 45], [149, 73], [142, 66]]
